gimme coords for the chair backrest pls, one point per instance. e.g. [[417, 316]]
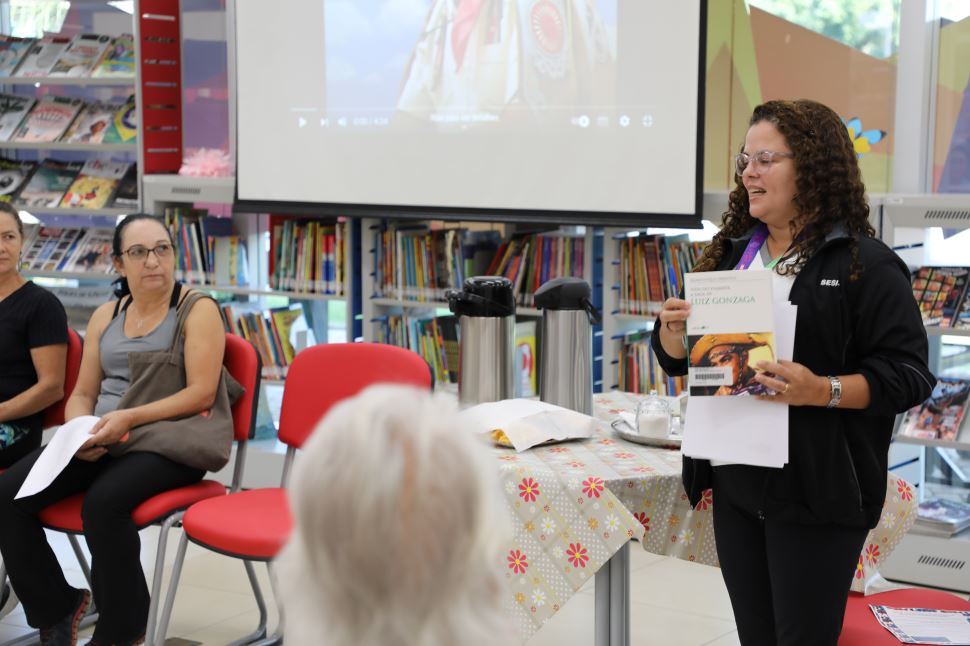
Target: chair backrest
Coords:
[[54, 415], [243, 363], [322, 375]]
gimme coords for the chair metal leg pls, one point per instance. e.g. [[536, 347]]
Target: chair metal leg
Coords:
[[260, 632], [81, 559], [150, 635], [158, 637]]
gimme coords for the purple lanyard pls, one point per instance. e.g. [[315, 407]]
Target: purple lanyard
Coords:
[[754, 245]]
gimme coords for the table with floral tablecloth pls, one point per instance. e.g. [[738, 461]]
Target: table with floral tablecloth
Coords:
[[576, 504]]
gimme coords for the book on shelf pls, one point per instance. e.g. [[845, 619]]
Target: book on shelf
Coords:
[[95, 185], [126, 197], [92, 123], [49, 119], [639, 371], [13, 176], [227, 261], [12, 53], [118, 59], [81, 55], [415, 262], [124, 125], [942, 415], [526, 359], [68, 249], [46, 187], [42, 55], [941, 293], [207, 251], [531, 260], [277, 334], [13, 110], [307, 256], [942, 517], [652, 268], [434, 338]]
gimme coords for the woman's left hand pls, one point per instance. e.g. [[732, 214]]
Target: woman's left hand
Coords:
[[793, 384], [110, 428]]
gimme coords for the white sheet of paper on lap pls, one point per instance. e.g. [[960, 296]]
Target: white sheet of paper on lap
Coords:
[[743, 429], [55, 456], [528, 422]]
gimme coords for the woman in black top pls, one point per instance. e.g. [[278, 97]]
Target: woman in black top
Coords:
[[789, 539], [33, 329]]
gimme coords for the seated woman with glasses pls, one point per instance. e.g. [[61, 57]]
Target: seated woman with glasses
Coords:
[[143, 319]]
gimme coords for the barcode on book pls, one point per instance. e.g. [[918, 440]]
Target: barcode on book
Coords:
[[710, 376]]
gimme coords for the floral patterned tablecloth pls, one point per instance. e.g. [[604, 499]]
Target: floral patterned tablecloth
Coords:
[[575, 504]]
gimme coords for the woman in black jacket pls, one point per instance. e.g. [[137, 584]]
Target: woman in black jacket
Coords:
[[788, 539]]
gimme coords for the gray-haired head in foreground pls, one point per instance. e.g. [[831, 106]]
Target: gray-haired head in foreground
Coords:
[[399, 529]]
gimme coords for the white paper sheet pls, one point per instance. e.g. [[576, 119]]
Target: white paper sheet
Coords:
[[55, 456], [528, 422], [742, 429], [925, 626]]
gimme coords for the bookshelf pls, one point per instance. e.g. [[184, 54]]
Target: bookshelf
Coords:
[[930, 560], [378, 307]]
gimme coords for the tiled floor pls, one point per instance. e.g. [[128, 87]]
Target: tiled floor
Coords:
[[214, 604]]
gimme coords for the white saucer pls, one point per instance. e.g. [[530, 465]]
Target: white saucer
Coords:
[[627, 432]]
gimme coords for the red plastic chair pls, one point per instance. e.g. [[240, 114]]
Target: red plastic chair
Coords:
[[254, 525], [860, 628], [242, 361]]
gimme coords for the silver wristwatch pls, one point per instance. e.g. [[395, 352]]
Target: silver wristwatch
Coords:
[[835, 392]]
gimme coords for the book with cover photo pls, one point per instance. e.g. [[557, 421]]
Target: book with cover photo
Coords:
[[12, 52], [95, 185], [13, 109], [92, 124], [730, 329], [42, 56], [49, 183], [81, 55], [49, 119], [942, 517], [118, 60], [941, 416], [123, 127], [13, 176]]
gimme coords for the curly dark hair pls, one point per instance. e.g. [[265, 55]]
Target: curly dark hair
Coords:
[[828, 182]]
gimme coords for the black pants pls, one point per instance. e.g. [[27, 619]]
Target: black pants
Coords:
[[114, 487], [788, 583], [20, 448]]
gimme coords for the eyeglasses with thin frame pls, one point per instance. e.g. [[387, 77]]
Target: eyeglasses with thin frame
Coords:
[[140, 253], [763, 159]]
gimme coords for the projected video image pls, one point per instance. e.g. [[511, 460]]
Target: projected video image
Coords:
[[468, 63]]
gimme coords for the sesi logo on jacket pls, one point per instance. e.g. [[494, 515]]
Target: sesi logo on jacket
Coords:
[[829, 282]]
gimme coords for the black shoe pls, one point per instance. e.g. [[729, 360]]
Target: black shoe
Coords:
[[64, 632]]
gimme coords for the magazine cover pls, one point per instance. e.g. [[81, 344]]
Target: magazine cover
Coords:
[[13, 109], [940, 416], [955, 296], [124, 124], [92, 124], [42, 55], [945, 512], [81, 55], [95, 185], [127, 194], [12, 52], [731, 328], [49, 119], [60, 250], [118, 59], [93, 254], [49, 182], [13, 176]]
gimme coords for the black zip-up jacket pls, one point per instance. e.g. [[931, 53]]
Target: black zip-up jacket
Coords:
[[837, 464]]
